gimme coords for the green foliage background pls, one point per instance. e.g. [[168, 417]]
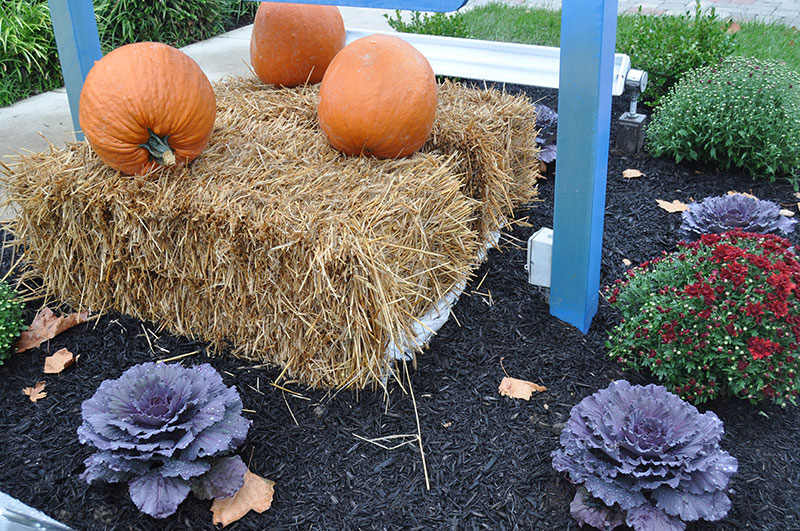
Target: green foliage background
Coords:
[[29, 58]]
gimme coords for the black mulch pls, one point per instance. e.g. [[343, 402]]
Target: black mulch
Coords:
[[488, 457]]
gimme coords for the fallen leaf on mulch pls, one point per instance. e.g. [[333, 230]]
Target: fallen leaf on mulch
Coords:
[[255, 495], [47, 326], [785, 212], [626, 262], [731, 192], [36, 392], [519, 388], [675, 206], [734, 28], [631, 173], [60, 360]]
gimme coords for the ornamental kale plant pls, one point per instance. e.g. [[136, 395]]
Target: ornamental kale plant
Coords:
[[742, 113], [719, 316], [165, 430], [644, 456], [547, 122], [714, 215], [11, 323]]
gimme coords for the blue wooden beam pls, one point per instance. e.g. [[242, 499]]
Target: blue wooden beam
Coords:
[[78, 44], [588, 32]]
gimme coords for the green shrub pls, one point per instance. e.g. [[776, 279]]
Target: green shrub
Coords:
[[452, 25], [720, 316], [29, 57], [174, 22], [667, 46], [28, 60], [10, 319], [741, 113]]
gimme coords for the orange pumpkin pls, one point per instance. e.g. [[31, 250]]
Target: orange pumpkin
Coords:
[[378, 98], [292, 44], [146, 104]]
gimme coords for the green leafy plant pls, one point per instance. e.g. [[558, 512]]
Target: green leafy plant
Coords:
[[11, 323], [452, 25], [28, 60], [667, 46], [719, 316], [742, 113]]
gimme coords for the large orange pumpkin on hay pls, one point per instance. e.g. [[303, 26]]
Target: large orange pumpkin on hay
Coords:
[[378, 98], [293, 44], [146, 104]]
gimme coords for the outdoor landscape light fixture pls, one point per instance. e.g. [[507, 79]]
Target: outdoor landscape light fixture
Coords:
[[630, 127], [635, 84]]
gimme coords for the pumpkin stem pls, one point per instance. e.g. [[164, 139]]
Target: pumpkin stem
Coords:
[[159, 149]]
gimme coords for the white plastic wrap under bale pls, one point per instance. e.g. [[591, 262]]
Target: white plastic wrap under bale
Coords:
[[540, 257], [435, 318]]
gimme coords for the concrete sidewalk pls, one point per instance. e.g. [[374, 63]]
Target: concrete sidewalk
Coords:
[[35, 123]]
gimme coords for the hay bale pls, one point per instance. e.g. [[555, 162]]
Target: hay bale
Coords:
[[273, 242]]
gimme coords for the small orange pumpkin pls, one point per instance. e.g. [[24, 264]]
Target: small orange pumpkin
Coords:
[[146, 104], [292, 44], [378, 98]]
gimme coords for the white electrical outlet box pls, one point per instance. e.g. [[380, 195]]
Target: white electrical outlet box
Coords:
[[540, 257]]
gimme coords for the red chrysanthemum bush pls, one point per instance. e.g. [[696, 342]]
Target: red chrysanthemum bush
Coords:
[[719, 316]]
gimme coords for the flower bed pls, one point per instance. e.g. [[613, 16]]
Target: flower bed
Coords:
[[488, 456]]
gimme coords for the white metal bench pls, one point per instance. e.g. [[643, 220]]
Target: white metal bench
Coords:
[[505, 62]]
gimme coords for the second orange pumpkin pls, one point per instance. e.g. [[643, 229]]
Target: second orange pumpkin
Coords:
[[293, 44], [378, 98]]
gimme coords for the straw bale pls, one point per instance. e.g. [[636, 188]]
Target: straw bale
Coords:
[[273, 243]]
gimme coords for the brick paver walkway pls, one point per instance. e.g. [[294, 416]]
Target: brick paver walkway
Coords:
[[783, 11]]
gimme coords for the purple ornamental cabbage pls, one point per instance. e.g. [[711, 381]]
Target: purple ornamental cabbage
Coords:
[[714, 215], [165, 429], [644, 456], [547, 121]]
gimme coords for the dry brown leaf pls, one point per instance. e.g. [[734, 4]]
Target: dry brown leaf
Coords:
[[60, 360], [47, 326], [785, 212], [255, 495], [519, 388], [731, 192], [674, 206], [36, 392], [626, 262], [734, 28], [631, 173]]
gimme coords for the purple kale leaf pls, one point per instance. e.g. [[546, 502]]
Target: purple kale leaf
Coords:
[[715, 215], [645, 453], [547, 122], [164, 429]]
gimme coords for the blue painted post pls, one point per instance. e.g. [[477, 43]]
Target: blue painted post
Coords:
[[588, 33], [78, 47]]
